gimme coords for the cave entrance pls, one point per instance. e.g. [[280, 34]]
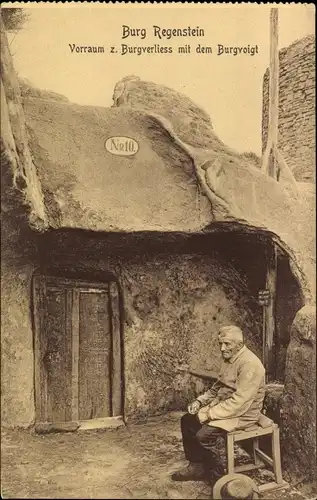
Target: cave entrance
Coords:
[[77, 350], [284, 299], [265, 267]]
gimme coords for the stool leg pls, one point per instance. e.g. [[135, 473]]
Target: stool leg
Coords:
[[276, 455], [257, 460], [230, 454]]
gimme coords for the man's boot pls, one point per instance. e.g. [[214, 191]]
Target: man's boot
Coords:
[[193, 472], [213, 472]]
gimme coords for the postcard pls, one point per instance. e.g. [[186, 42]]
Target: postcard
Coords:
[[158, 250]]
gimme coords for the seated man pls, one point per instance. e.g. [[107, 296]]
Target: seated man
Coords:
[[234, 402]]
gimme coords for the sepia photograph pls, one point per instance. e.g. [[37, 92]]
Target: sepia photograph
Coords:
[[158, 251]]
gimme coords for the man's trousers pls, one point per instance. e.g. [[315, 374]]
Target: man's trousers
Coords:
[[199, 442]]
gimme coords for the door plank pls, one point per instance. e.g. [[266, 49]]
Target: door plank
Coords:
[[75, 283], [39, 382], [57, 358], [94, 356], [75, 352], [116, 379]]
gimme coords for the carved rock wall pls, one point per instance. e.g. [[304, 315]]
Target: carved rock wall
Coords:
[[176, 294], [22, 206], [299, 399]]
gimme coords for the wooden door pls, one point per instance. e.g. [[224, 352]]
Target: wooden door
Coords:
[[94, 355], [77, 350]]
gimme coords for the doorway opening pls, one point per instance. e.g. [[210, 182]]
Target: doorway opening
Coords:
[[77, 347]]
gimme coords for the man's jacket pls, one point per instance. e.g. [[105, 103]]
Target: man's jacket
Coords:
[[243, 376]]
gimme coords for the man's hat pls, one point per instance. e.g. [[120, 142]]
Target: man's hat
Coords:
[[235, 486]]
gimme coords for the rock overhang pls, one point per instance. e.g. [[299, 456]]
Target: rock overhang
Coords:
[[94, 187], [183, 178]]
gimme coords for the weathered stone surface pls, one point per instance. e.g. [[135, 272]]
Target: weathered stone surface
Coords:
[[18, 254], [19, 179], [87, 187], [28, 90], [189, 122], [236, 188], [299, 400], [272, 401], [22, 206], [194, 296], [296, 108], [187, 187], [243, 193]]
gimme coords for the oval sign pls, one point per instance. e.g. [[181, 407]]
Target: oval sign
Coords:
[[121, 146]]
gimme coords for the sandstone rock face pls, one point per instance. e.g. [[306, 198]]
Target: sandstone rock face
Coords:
[[120, 91], [187, 187], [296, 108], [19, 178], [234, 185], [191, 123], [243, 193], [28, 90], [18, 261], [22, 207], [299, 400], [88, 187], [195, 295]]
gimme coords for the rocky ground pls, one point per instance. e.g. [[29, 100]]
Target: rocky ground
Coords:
[[131, 462]]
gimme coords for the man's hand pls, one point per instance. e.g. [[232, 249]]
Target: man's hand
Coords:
[[203, 415], [193, 407], [214, 402]]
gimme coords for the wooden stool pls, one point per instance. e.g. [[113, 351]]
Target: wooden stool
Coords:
[[265, 427]]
